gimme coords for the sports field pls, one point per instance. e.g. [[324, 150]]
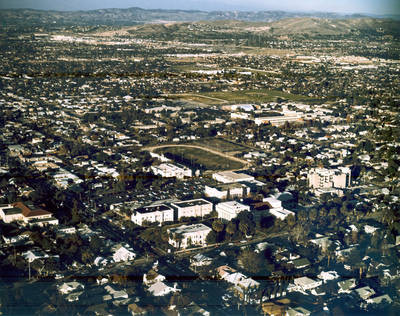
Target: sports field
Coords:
[[200, 159]]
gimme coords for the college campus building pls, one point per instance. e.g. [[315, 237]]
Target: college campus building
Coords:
[[226, 191], [155, 213], [186, 235], [192, 208], [169, 170], [230, 209]]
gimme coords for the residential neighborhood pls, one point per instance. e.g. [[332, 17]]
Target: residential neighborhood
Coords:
[[216, 167]]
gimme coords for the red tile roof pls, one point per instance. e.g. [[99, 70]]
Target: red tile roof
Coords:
[[30, 212]]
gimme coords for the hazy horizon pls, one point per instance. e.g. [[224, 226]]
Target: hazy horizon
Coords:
[[339, 6]]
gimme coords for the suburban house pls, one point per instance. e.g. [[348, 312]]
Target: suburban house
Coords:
[[155, 213], [122, 253], [304, 284], [346, 286], [26, 212], [192, 208], [186, 235], [69, 287], [365, 292], [152, 277], [200, 260], [230, 209], [161, 289]]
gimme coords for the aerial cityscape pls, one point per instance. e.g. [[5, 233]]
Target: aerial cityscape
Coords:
[[199, 162]]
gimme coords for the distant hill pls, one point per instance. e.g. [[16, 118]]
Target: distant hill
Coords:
[[311, 27], [132, 16], [189, 25]]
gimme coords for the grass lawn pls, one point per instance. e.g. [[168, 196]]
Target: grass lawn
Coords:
[[221, 145], [207, 160], [261, 95]]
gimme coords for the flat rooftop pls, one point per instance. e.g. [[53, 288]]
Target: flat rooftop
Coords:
[[233, 175], [152, 208], [191, 203], [184, 229], [226, 186]]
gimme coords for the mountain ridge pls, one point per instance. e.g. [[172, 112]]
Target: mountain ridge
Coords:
[[135, 15]]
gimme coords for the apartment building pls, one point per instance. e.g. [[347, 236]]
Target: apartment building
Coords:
[[322, 178]]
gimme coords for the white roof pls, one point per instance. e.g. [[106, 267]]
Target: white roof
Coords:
[[329, 275], [304, 281], [186, 229]]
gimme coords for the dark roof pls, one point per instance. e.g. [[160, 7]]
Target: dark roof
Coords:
[[191, 203], [150, 209], [12, 211]]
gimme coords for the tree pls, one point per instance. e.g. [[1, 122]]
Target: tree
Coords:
[[96, 244], [75, 213], [218, 226], [231, 229], [211, 237], [251, 261]]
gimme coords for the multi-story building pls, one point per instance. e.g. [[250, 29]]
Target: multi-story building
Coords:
[[230, 209], [322, 178], [186, 235], [168, 170], [192, 208], [226, 191], [155, 213]]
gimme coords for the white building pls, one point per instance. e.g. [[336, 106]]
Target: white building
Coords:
[[322, 178], [168, 170], [230, 209], [305, 283], [187, 235], [226, 191], [122, 253], [155, 213], [161, 289], [27, 213], [69, 287], [277, 120], [193, 208], [230, 177], [276, 208]]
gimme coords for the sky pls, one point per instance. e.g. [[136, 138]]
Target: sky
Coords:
[[341, 6]]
